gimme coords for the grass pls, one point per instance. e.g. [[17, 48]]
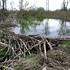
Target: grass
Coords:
[[65, 46], [66, 43]]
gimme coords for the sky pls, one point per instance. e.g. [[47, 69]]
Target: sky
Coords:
[[53, 4]]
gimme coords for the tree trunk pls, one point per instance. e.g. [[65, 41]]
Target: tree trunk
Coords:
[[21, 4], [3, 4]]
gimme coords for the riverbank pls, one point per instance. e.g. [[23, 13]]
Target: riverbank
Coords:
[[41, 14], [63, 15], [38, 14]]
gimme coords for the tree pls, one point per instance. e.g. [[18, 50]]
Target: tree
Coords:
[[11, 3], [21, 4], [4, 4], [0, 4], [47, 5], [65, 4]]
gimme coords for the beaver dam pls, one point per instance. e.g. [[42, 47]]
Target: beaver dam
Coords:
[[34, 52], [28, 49]]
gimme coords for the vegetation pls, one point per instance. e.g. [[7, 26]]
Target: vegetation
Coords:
[[3, 14], [33, 52], [34, 14], [40, 14]]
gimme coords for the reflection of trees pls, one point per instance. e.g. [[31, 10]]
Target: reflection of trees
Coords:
[[63, 28], [26, 23], [46, 28]]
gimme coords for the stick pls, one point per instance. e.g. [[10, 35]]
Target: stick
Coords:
[[49, 45], [45, 48]]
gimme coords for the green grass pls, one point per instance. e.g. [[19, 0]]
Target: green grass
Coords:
[[65, 43], [65, 46]]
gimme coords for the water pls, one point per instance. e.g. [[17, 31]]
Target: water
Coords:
[[49, 27]]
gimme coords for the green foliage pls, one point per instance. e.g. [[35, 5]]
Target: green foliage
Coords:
[[29, 17], [40, 14], [25, 23], [2, 52], [65, 44], [5, 53], [36, 14]]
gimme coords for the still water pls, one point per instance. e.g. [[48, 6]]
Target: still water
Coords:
[[49, 27]]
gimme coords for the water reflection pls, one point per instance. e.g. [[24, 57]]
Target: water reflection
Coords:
[[46, 27], [49, 27], [64, 28]]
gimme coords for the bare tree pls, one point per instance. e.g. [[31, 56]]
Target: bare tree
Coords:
[[21, 4], [0, 4], [65, 4], [11, 4], [4, 4], [47, 5]]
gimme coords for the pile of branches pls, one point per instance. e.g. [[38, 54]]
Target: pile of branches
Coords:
[[12, 45]]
